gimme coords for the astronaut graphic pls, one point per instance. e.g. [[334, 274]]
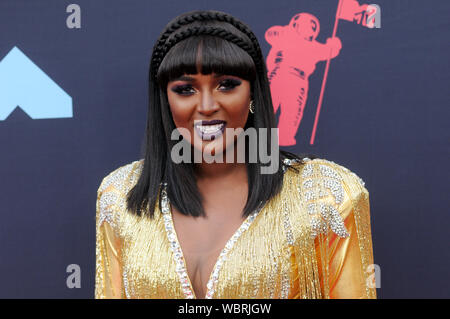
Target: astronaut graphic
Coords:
[[291, 60]]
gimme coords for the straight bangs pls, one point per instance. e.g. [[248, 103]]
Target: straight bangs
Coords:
[[205, 54]]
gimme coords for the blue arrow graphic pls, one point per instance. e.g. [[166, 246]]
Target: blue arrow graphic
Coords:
[[23, 84]]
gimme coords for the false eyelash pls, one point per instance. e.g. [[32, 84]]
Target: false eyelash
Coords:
[[229, 83], [180, 89]]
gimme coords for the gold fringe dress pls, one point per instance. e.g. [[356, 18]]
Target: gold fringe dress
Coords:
[[312, 240]]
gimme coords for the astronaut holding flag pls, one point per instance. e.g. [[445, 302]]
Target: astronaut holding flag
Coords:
[[293, 58]]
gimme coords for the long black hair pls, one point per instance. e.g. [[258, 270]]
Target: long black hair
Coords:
[[215, 42]]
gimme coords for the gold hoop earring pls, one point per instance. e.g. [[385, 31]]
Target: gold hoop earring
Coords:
[[251, 107]]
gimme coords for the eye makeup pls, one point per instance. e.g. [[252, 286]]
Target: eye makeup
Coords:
[[182, 89], [186, 89], [231, 83]]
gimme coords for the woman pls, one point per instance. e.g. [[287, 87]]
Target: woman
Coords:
[[199, 229]]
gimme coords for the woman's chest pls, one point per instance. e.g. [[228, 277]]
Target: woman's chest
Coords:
[[255, 261], [201, 241]]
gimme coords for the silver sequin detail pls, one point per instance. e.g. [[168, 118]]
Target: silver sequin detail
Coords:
[[110, 200], [180, 266], [359, 179], [111, 204], [285, 285], [311, 208], [310, 195], [335, 188], [322, 193], [288, 162], [178, 254], [271, 276], [117, 177], [325, 216], [324, 211], [329, 172], [329, 218], [126, 186], [308, 183], [106, 203], [317, 226], [125, 283], [307, 170], [256, 286], [336, 223], [287, 228]]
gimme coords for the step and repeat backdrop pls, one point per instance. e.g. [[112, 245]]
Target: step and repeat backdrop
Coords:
[[73, 103]]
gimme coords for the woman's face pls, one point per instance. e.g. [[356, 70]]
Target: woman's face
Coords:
[[222, 100]]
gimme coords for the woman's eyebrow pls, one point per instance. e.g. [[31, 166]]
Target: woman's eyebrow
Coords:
[[191, 79], [184, 78]]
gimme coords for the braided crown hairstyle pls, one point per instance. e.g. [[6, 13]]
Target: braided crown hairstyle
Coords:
[[227, 46], [170, 36]]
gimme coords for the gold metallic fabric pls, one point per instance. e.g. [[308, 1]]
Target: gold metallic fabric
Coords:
[[312, 240]]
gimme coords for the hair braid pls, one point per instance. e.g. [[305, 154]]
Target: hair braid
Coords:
[[162, 45], [208, 30]]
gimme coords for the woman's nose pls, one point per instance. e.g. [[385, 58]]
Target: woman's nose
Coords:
[[207, 103]]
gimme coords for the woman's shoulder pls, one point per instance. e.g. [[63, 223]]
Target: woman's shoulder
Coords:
[[329, 192], [321, 168], [112, 192], [121, 177]]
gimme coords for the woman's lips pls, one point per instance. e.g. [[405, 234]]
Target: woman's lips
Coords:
[[211, 131]]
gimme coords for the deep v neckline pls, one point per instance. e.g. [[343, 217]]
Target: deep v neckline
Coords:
[[178, 255]]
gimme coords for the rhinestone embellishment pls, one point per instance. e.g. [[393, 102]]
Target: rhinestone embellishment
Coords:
[[178, 254], [288, 162], [125, 283], [106, 211], [110, 202], [320, 182]]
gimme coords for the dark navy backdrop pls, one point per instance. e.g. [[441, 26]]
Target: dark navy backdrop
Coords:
[[385, 117]]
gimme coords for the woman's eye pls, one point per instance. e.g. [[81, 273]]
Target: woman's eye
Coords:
[[230, 84], [183, 89], [225, 85]]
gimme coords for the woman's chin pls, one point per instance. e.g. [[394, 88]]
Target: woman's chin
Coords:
[[215, 151], [213, 148]]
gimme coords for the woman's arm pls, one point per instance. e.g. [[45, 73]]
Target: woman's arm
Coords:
[[108, 274], [341, 225], [349, 259]]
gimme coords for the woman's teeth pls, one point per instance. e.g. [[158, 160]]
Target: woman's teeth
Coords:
[[210, 128]]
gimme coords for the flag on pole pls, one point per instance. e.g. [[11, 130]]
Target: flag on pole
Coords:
[[365, 14]]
